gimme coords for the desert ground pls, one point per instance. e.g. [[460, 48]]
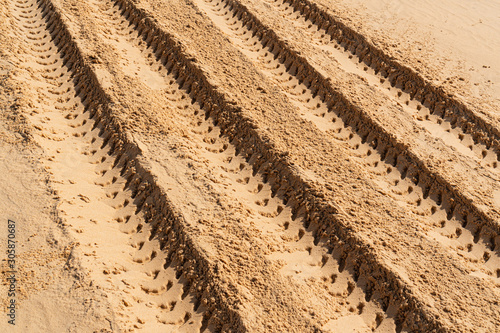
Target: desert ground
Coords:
[[250, 166]]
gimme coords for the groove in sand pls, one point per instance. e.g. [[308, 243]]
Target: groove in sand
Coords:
[[451, 225], [97, 202], [438, 124], [296, 246]]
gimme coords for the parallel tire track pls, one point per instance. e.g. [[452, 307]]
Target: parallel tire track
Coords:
[[301, 250], [405, 309], [434, 106], [121, 199], [456, 225], [439, 122], [176, 279]]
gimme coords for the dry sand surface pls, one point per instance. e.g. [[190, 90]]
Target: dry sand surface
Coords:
[[250, 166]]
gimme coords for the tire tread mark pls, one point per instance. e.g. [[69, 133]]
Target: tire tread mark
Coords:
[[114, 153], [248, 144], [450, 219]]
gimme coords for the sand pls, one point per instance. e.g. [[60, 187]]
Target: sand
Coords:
[[260, 166]]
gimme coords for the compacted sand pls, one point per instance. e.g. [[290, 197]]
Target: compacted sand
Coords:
[[243, 165]]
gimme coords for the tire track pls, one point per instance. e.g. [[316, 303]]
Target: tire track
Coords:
[[434, 106], [366, 268], [96, 181], [437, 122], [299, 248], [453, 224], [368, 272]]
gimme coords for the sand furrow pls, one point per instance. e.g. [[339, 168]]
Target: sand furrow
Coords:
[[451, 224], [441, 114], [297, 247], [438, 121], [187, 75], [101, 197], [217, 177]]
